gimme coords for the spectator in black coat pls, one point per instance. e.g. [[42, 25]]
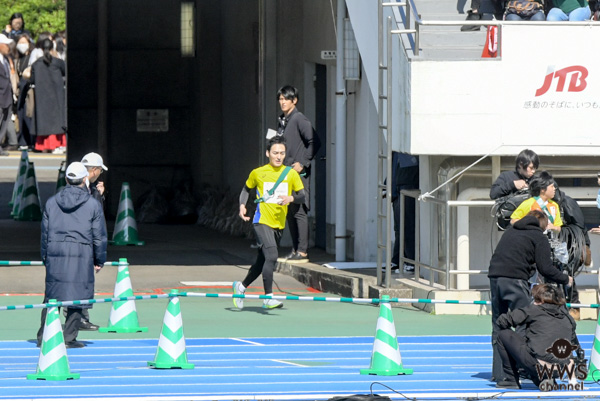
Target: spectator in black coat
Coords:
[[73, 247]]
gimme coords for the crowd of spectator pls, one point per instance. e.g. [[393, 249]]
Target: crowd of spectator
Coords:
[[528, 10], [36, 115]]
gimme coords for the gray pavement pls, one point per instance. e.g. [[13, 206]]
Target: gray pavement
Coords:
[[172, 254]]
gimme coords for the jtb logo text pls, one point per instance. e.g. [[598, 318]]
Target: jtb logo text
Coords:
[[576, 84]]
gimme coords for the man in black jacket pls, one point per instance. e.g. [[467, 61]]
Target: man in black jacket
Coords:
[[95, 167], [521, 250], [300, 141], [510, 182]]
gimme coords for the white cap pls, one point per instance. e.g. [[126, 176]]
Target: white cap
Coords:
[[76, 171], [93, 160], [5, 40]]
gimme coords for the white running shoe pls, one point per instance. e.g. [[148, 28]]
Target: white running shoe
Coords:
[[238, 288], [272, 303]]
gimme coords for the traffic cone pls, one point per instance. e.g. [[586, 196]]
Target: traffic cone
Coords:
[[594, 368], [123, 314], [20, 177], [61, 181], [53, 363], [171, 353], [490, 49], [385, 359], [125, 226], [29, 209]]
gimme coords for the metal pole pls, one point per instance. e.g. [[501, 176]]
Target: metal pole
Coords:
[[447, 245], [340, 139], [102, 107]]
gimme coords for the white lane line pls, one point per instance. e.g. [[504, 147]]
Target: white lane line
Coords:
[[244, 341]]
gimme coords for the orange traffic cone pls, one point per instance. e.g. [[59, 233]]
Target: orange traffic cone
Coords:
[[490, 50]]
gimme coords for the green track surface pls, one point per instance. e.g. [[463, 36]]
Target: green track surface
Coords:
[[211, 317]]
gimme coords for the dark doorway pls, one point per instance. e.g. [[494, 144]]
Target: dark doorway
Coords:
[[320, 158]]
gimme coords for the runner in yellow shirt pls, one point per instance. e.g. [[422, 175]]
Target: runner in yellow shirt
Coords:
[[274, 184]]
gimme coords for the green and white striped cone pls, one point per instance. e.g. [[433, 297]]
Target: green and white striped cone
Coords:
[[61, 181], [123, 314], [20, 177], [30, 209], [594, 368], [385, 359], [171, 353], [16, 202], [53, 363], [125, 226]]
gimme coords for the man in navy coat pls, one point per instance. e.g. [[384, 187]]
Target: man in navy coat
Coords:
[[73, 248]]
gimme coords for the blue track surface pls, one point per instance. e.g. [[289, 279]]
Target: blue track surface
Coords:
[[445, 367]]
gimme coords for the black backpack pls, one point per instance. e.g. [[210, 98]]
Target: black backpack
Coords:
[[506, 205]]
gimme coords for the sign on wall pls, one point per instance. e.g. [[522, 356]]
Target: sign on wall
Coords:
[[152, 120]]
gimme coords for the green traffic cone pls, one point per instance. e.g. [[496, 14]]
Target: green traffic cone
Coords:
[[20, 177], [123, 314], [594, 368], [61, 181], [385, 359], [125, 232], [29, 209], [53, 363], [171, 353]]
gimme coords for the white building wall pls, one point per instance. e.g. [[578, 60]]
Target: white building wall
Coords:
[[364, 173]]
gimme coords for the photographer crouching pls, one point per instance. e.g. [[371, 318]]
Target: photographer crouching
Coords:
[[546, 322]]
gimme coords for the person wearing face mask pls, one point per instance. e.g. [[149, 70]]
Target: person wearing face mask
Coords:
[[24, 48], [16, 27]]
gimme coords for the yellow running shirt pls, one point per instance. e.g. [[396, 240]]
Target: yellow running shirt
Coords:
[[531, 204], [263, 179]]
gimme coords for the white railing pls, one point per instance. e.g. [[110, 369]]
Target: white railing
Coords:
[[443, 273]]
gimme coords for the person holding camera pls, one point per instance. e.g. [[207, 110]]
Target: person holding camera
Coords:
[[510, 182]]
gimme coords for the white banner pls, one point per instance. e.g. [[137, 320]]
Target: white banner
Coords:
[[543, 92]]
